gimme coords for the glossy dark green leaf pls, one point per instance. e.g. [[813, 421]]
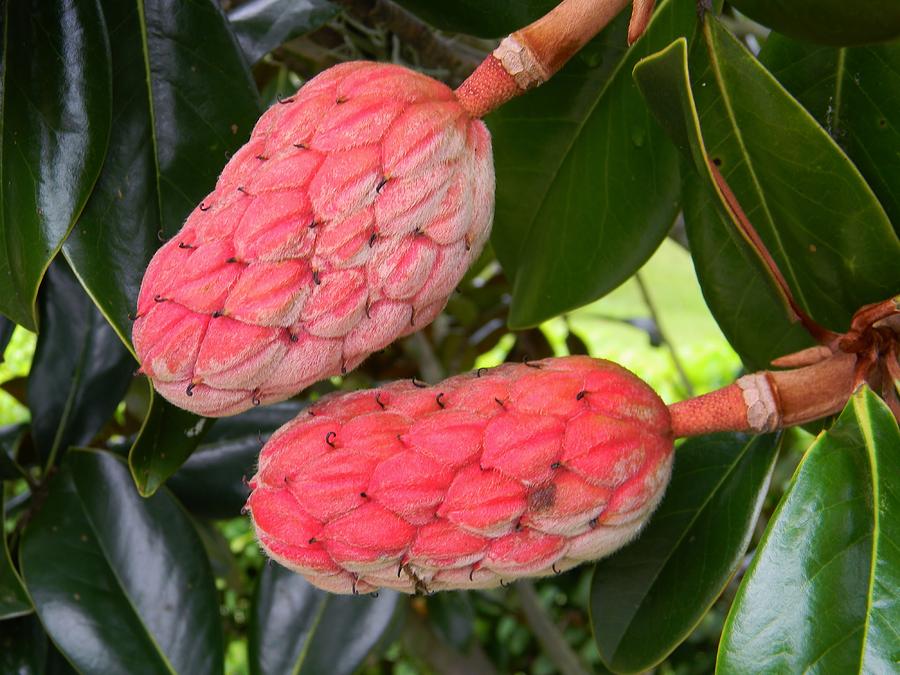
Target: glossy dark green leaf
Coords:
[[80, 370], [299, 629], [183, 102], [212, 482], [647, 598], [823, 591], [833, 22], [23, 646], [14, 600], [485, 18], [822, 223], [6, 331], [855, 94], [55, 105], [57, 663], [262, 25], [167, 438], [453, 618], [587, 183], [121, 583]]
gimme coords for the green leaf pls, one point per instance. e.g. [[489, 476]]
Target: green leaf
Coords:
[[297, 628], [23, 646], [262, 25], [484, 18], [821, 222], [80, 370], [854, 93], [453, 618], [647, 598], [212, 482], [183, 103], [14, 600], [167, 438], [55, 96], [587, 183], [823, 591], [135, 593], [833, 22]]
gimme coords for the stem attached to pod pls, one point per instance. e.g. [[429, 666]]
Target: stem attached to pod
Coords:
[[769, 400], [530, 56]]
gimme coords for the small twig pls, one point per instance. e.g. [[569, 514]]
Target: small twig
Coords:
[[682, 373], [553, 642], [433, 50], [429, 365]]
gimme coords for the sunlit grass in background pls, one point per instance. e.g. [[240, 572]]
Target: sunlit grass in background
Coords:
[[17, 361]]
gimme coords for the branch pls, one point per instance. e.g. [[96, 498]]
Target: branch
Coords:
[[530, 56], [648, 301], [546, 633], [770, 400], [433, 50]]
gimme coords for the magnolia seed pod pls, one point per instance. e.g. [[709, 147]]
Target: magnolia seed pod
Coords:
[[518, 471], [344, 223]]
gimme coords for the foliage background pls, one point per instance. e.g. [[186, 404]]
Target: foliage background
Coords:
[[609, 239]]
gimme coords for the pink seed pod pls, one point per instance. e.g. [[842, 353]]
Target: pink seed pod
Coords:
[[518, 471], [344, 223]]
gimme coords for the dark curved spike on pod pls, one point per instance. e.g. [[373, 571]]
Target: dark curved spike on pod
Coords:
[[204, 208], [581, 394], [440, 403], [379, 401], [329, 438], [419, 383], [190, 389]]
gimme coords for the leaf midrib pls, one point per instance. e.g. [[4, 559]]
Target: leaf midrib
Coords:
[[151, 109], [77, 375], [301, 657], [107, 559], [868, 437], [715, 66]]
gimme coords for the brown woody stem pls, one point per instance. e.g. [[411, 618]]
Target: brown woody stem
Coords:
[[769, 400], [530, 56]]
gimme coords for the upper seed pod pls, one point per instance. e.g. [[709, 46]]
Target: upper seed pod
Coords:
[[343, 223], [521, 470]]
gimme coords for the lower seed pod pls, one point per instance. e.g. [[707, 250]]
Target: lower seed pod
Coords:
[[517, 471]]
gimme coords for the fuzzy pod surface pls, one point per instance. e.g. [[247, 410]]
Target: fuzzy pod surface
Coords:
[[516, 471], [344, 223]]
